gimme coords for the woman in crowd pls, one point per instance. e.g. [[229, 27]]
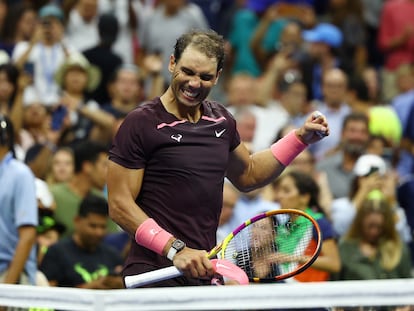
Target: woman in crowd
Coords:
[[298, 190], [371, 174], [62, 166], [372, 248]]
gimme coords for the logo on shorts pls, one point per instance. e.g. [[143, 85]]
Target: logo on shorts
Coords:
[[177, 137]]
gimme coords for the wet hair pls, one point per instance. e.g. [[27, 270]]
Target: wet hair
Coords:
[[207, 41], [93, 204]]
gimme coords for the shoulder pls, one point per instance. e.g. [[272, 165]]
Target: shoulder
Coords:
[[216, 109], [21, 169], [60, 247], [147, 112], [59, 187]]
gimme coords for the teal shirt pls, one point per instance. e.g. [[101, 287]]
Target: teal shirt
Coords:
[[244, 25]]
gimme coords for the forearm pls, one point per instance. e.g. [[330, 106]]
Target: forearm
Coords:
[[256, 42], [98, 117], [248, 172], [20, 257], [157, 86], [327, 264], [16, 114], [23, 58], [130, 217], [126, 213], [266, 86]]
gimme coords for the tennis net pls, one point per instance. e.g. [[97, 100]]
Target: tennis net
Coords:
[[350, 295]]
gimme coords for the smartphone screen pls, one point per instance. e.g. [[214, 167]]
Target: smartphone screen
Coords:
[[28, 68]]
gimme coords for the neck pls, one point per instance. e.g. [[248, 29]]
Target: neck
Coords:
[[191, 114], [75, 94], [349, 162], [80, 185]]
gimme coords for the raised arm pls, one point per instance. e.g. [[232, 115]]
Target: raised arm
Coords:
[[248, 172]]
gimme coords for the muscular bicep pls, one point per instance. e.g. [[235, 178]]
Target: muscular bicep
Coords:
[[238, 166], [124, 185]]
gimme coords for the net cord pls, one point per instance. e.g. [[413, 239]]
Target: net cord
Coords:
[[396, 292]]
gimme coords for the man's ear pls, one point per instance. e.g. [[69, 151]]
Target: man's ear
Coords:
[[217, 76], [171, 64]]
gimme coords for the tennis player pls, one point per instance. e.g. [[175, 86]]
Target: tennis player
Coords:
[[169, 159]]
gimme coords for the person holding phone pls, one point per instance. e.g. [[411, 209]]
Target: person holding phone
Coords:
[[371, 176], [42, 55]]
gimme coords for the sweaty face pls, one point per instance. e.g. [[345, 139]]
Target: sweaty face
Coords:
[[193, 76]]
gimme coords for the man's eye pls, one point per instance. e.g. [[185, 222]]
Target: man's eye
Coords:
[[187, 72], [206, 77]]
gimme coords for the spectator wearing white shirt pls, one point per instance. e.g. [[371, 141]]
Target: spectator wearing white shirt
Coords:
[[43, 54]]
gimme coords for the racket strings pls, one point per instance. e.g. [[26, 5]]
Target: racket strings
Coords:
[[270, 247]]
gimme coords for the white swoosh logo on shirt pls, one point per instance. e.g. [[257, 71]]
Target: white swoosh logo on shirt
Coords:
[[218, 134]]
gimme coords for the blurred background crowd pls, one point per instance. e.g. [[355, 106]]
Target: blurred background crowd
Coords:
[[71, 70]]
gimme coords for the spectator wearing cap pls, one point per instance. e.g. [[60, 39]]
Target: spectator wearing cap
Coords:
[[103, 57], [76, 114], [323, 41], [44, 53], [49, 231], [371, 176]]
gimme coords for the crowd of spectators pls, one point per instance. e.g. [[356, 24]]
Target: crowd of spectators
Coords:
[[71, 70]]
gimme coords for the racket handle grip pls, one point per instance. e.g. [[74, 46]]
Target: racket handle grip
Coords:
[[132, 281]]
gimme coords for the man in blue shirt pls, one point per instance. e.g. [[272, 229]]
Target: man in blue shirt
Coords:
[[18, 213]]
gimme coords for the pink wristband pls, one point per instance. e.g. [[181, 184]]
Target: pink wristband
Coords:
[[287, 148], [150, 235]]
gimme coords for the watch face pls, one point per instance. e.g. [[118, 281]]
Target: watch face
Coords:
[[178, 245]]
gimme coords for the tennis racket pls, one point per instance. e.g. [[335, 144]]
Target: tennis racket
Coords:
[[269, 247]]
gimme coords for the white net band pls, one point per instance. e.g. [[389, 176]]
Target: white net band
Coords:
[[258, 297]]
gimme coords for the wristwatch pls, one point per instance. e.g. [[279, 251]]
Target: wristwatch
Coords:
[[176, 246]]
